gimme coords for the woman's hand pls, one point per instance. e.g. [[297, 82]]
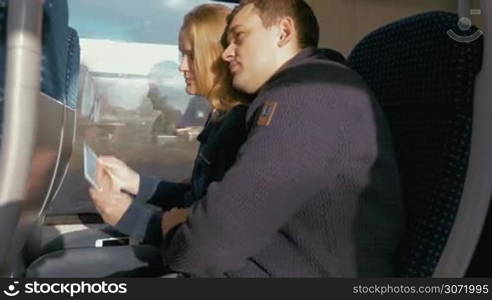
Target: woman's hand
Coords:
[[111, 205], [121, 175], [110, 202]]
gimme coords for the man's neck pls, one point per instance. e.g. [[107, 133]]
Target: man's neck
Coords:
[[287, 58], [283, 63]]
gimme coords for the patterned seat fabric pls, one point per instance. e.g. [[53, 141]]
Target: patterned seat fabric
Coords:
[[424, 81], [60, 63], [61, 55], [73, 69]]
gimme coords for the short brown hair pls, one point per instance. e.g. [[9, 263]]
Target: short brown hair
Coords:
[[270, 11]]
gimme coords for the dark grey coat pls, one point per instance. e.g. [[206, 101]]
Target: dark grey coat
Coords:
[[315, 193]]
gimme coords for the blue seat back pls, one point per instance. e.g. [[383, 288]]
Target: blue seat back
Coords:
[[424, 81]]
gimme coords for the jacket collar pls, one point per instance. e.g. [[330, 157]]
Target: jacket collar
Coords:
[[301, 56]]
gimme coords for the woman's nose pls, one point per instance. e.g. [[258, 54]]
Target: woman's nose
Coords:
[[183, 66]]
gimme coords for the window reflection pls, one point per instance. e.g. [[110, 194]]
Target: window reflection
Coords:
[[132, 100]]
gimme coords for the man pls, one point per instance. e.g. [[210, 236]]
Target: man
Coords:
[[165, 122], [162, 76], [315, 189]]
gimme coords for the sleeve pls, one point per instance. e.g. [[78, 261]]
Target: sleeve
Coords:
[[142, 221], [279, 167], [161, 193]]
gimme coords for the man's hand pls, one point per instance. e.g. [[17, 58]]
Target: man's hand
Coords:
[[110, 202], [121, 175], [172, 218]]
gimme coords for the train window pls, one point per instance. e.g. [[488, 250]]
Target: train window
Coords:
[[132, 100]]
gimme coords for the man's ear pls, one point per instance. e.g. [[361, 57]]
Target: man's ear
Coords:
[[287, 31]]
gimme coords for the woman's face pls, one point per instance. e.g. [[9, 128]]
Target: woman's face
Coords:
[[186, 66]]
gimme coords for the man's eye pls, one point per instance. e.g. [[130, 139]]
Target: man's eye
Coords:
[[239, 35]]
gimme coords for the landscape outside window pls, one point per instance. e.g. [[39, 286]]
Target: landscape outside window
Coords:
[[132, 102]]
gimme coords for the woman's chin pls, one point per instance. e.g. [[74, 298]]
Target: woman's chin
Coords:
[[190, 90]]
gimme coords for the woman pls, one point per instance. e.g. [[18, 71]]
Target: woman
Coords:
[[207, 75]]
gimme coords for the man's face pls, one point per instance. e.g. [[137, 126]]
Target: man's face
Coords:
[[153, 92], [252, 50], [158, 101]]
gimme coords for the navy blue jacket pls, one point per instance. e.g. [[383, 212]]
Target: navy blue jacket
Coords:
[[219, 143]]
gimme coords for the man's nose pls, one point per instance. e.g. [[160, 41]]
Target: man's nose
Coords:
[[228, 53]]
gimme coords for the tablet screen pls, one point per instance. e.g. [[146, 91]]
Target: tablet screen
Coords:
[[90, 161]]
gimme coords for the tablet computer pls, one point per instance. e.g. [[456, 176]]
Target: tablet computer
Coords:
[[90, 162]]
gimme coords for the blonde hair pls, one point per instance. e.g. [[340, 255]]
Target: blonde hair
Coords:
[[204, 27]]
